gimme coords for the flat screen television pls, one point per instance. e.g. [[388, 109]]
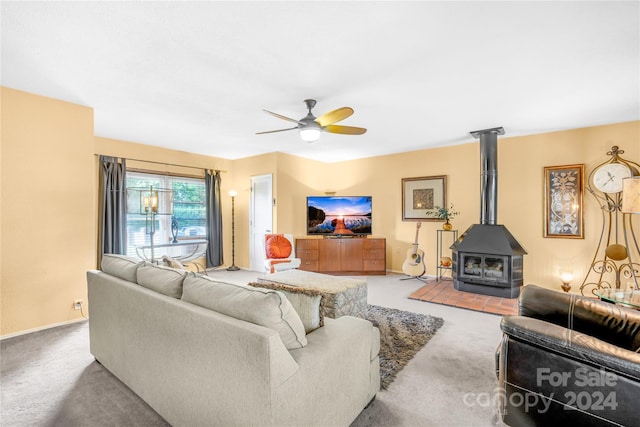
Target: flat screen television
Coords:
[[339, 216]]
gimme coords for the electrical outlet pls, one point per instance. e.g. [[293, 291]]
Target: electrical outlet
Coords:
[[77, 304]]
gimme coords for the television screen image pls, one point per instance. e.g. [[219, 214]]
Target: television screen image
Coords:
[[339, 215]]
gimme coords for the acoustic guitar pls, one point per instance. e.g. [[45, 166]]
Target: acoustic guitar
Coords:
[[414, 263]]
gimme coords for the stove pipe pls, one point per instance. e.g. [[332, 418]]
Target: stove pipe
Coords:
[[488, 173]]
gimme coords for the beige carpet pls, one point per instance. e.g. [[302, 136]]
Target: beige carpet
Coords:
[[50, 379]]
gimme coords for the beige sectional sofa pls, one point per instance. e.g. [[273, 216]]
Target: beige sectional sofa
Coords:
[[198, 363]]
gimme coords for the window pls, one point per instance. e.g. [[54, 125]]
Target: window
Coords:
[[189, 209]]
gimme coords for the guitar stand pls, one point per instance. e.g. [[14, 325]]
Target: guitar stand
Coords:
[[421, 278]]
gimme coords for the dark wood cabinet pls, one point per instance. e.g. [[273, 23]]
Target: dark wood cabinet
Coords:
[[343, 256]]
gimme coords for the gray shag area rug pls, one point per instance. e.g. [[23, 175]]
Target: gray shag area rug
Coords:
[[402, 335]]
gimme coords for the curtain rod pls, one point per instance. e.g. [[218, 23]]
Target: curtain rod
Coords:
[[162, 163]]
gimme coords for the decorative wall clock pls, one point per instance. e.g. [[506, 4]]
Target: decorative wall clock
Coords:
[[616, 261], [608, 177]]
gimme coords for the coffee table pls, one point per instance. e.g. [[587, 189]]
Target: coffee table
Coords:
[[625, 298], [343, 296]]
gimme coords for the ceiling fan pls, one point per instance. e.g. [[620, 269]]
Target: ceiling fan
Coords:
[[310, 126]]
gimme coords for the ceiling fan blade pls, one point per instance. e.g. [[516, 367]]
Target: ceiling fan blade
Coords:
[[273, 131], [346, 130], [334, 116], [280, 116]]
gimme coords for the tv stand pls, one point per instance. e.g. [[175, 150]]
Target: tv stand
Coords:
[[343, 256], [344, 236]]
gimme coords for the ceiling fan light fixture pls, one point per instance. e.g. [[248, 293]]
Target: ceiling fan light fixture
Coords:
[[310, 134], [310, 127]]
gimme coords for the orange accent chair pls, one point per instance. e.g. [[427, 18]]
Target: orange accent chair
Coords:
[[280, 253]]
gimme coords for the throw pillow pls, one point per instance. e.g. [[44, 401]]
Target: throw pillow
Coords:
[[170, 262], [165, 280], [121, 266], [263, 307], [277, 246], [308, 303]]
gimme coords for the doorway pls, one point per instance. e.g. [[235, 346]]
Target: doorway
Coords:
[[261, 218]]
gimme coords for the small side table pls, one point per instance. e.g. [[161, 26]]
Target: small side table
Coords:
[[630, 299], [193, 252], [453, 234]]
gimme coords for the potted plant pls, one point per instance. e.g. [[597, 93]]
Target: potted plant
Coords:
[[444, 213]]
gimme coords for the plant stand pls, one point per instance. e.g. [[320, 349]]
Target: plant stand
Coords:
[[441, 269]]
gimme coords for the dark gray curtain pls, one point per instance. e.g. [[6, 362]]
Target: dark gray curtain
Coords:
[[113, 205], [214, 218]]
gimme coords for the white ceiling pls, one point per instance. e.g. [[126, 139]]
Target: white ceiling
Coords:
[[195, 76]]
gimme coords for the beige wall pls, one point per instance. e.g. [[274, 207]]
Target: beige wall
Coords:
[[521, 162], [167, 159], [48, 220], [48, 210]]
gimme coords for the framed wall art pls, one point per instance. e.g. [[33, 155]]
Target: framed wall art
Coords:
[[422, 195], [563, 204]]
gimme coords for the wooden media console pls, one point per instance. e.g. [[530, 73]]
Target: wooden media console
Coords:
[[352, 256]]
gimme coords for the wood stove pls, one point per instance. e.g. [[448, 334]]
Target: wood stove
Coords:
[[487, 259], [482, 267]]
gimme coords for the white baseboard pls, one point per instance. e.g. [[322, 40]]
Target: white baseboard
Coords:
[[41, 328]]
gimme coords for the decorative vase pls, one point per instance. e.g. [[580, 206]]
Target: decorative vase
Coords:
[[174, 229], [447, 225]]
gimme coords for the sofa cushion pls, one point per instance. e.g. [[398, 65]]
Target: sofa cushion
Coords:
[[121, 266], [308, 303], [277, 246], [263, 307], [165, 280]]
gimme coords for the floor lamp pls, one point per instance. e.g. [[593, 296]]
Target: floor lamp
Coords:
[[233, 195], [631, 205]]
